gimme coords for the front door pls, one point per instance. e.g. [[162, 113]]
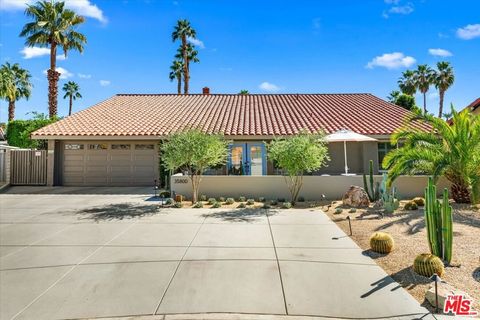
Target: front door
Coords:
[[247, 159]]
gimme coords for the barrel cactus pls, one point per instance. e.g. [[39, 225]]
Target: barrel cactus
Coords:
[[427, 264], [381, 242], [410, 205], [419, 201]]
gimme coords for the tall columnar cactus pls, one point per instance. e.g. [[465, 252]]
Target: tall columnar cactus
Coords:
[[374, 191], [438, 221]]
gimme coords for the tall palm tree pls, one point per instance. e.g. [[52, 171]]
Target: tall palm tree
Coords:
[[182, 31], [176, 70], [72, 91], [443, 79], [244, 92], [423, 79], [14, 85], [53, 26], [393, 96], [450, 149], [406, 83]]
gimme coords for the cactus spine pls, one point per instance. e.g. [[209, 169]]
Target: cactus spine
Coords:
[[381, 242], [374, 191], [438, 221], [427, 264]]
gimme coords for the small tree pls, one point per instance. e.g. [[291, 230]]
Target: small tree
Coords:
[[297, 155], [194, 151]]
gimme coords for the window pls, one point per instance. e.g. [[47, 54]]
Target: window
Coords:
[[73, 146], [120, 146], [383, 149], [144, 147], [98, 146]]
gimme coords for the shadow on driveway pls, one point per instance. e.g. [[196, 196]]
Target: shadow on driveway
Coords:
[[78, 190], [240, 215], [119, 211]]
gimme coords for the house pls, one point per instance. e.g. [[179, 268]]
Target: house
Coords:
[[474, 107], [116, 142]]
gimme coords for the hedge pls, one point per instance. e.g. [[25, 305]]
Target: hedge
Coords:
[[18, 132]]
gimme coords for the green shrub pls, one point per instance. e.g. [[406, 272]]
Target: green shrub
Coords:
[[217, 205], [221, 199], [241, 199], [18, 132], [352, 210], [261, 199], [281, 199], [169, 201], [198, 204], [177, 205], [338, 211], [410, 205], [301, 199], [242, 205], [250, 202], [274, 202], [230, 201], [164, 194], [286, 205], [203, 197], [212, 200]]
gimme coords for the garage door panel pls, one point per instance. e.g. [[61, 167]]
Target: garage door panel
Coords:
[[109, 167]]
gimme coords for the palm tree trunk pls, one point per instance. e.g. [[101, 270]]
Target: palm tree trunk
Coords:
[[460, 192], [440, 108], [185, 64], [70, 106], [11, 110], [425, 102], [179, 84], [52, 76]]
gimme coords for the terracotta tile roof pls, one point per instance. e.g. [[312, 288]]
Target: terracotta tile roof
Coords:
[[232, 115], [474, 105]]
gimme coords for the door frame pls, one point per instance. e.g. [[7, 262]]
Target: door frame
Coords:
[[246, 156]]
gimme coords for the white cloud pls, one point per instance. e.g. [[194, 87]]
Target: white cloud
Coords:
[[270, 87], [469, 32], [64, 73], [440, 52], [433, 95], [61, 57], [105, 83], [196, 42], [405, 9], [82, 7], [84, 76], [33, 52], [392, 60]]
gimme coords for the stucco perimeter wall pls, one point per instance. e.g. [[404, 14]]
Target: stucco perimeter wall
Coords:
[[273, 187]]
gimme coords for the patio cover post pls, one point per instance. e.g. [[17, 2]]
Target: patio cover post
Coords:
[[345, 152]]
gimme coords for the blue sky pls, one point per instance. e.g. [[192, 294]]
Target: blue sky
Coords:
[[262, 46]]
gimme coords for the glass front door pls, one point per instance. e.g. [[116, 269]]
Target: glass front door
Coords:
[[247, 159]]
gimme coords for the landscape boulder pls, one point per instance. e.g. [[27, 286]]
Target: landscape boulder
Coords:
[[356, 197], [444, 290]]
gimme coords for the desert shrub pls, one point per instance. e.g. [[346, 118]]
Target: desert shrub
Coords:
[[281, 200], [273, 202], [286, 205], [352, 210], [419, 201], [250, 202], [241, 199], [212, 200], [261, 199], [410, 205], [221, 199], [301, 199], [203, 197], [266, 206], [230, 201], [198, 204], [338, 210], [217, 205], [242, 205], [177, 205], [169, 201]]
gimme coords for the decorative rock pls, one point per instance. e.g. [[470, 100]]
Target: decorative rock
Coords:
[[444, 290], [356, 197]]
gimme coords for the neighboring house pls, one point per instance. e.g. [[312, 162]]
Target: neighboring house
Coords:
[[116, 142], [474, 107]]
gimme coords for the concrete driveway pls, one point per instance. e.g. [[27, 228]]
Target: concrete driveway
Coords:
[[67, 256]]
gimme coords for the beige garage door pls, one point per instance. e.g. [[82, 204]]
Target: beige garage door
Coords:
[[87, 163]]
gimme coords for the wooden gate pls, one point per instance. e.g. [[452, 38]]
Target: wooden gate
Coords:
[[28, 167]]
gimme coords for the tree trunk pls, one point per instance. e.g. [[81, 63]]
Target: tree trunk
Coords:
[[440, 108], [11, 110], [70, 106], [52, 76], [185, 65], [179, 85], [460, 192], [425, 102]]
